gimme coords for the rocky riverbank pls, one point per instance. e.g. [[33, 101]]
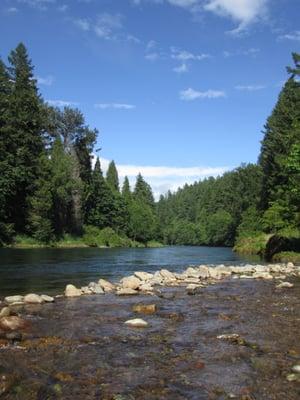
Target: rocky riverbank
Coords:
[[207, 333]]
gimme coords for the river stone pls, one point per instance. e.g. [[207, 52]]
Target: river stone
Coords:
[[262, 275], [86, 290], [33, 299], [5, 312], [97, 289], [290, 265], [143, 276], [215, 274], [296, 368], [126, 292], [47, 299], [72, 291], [192, 289], [14, 299], [106, 285], [192, 273], [130, 282], [203, 272], [167, 275], [146, 287], [284, 285], [137, 323], [12, 323], [144, 308]]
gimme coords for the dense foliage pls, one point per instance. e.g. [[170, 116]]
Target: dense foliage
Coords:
[[50, 189]]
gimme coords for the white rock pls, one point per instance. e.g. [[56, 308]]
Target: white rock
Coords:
[[284, 285], [126, 292], [290, 265], [130, 282], [262, 275], [296, 368], [72, 291], [137, 323], [146, 287], [14, 299], [167, 275], [203, 272], [86, 290], [47, 299], [143, 276], [5, 312], [97, 289], [106, 285], [33, 299], [215, 274], [246, 276]]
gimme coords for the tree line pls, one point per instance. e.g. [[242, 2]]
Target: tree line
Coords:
[[50, 188]]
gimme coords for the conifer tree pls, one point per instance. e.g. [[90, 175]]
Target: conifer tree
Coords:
[[112, 177], [126, 192], [143, 192], [24, 129]]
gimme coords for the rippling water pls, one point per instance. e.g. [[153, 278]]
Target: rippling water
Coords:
[[49, 270]]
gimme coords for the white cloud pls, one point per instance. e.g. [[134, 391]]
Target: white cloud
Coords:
[[250, 88], [12, 10], [183, 55], [291, 36], [47, 81], [116, 106], [252, 52], [39, 4], [63, 8], [191, 94], [152, 56], [244, 12], [181, 69], [106, 24], [83, 24], [61, 103], [163, 178]]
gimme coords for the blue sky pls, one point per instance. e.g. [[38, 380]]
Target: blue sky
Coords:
[[179, 89]]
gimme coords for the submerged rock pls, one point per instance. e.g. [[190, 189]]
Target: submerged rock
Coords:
[[144, 308], [12, 323], [126, 292], [137, 323], [33, 299], [72, 291]]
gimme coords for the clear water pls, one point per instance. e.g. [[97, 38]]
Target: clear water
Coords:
[[49, 270]]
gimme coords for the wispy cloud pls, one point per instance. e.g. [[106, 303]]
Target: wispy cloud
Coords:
[[61, 103], [39, 4], [47, 81], [181, 69], [191, 94], [164, 178], [250, 88], [184, 55], [252, 52], [12, 10], [291, 36], [116, 106], [82, 24]]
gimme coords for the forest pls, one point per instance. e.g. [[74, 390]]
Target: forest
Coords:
[[53, 191]]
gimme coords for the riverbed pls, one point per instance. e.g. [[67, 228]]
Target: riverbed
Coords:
[[80, 348]]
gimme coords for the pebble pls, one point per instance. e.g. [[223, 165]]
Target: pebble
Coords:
[[296, 368], [137, 323]]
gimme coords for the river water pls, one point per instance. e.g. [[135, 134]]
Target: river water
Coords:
[[49, 270]]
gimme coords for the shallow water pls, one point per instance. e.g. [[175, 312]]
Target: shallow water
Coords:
[[49, 270], [80, 348]]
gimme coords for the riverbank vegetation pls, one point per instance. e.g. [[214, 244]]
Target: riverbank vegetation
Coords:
[[54, 193]]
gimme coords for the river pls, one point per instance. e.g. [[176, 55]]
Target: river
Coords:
[[49, 270]]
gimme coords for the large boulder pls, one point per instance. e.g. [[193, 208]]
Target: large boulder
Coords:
[[33, 299], [72, 291], [131, 282]]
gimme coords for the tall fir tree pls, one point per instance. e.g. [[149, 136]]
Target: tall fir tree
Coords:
[[112, 177], [24, 127], [143, 192], [126, 192]]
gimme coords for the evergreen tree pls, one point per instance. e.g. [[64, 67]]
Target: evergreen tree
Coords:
[[112, 177], [24, 133], [143, 192], [126, 192], [100, 202]]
